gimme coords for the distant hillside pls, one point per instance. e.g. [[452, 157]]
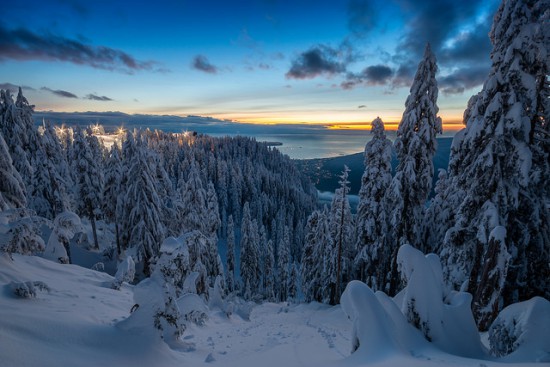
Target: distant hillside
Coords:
[[325, 172]]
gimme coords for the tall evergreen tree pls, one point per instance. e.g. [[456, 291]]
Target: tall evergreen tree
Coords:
[[283, 265], [373, 260], [415, 147], [250, 256], [89, 180], [112, 191], [341, 226], [502, 162], [142, 205], [12, 188], [230, 254], [269, 272]]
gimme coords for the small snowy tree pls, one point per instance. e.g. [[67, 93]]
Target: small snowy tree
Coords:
[[66, 225]]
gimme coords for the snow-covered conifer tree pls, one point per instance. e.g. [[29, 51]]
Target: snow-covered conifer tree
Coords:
[[415, 147], [112, 191], [250, 255], [269, 272], [502, 166], [373, 259], [12, 188], [342, 232], [142, 205], [89, 180], [230, 255], [283, 265]]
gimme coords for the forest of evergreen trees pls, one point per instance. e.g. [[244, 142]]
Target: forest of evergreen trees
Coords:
[[489, 221]]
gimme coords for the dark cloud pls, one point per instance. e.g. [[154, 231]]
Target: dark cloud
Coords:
[[469, 46], [22, 44], [14, 88], [457, 36], [362, 106], [60, 93], [95, 97], [201, 63], [433, 22], [319, 60], [371, 75], [361, 17], [462, 79], [404, 74]]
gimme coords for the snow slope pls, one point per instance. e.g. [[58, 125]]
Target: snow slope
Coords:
[[75, 324]]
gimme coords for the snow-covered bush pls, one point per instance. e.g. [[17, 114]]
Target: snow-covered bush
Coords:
[[520, 332], [28, 289], [126, 272], [193, 308], [423, 311], [22, 228], [66, 225]]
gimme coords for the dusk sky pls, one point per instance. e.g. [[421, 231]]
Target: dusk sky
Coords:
[[264, 61]]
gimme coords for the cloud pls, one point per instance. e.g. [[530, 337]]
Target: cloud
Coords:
[[371, 75], [462, 79], [468, 46], [95, 97], [362, 106], [319, 60], [60, 93], [201, 63], [361, 17], [22, 44], [433, 22], [14, 88]]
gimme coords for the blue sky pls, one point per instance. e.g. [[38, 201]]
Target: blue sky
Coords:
[[265, 61]]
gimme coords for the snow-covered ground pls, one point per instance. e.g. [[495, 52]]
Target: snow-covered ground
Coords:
[[75, 323]]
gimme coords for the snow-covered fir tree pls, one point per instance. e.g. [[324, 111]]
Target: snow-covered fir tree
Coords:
[[230, 257], [415, 147], [250, 255], [18, 131], [313, 256], [89, 174], [342, 233], [283, 265], [499, 166], [12, 188], [142, 206], [373, 259], [112, 195], [269, 272]]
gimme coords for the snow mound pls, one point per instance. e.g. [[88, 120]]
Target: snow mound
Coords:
[[520, 332], [380, 331], [444, 319]]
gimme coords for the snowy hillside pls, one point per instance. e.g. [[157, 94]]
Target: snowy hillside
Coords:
[[76, 323]]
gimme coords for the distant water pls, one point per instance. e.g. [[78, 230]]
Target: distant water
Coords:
[[318, 144], [301, 141]]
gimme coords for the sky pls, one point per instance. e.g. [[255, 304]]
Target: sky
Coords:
[[334, 63]]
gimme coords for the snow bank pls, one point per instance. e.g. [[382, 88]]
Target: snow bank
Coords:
[[444, 319], [379, 330], [383, 326], [521, 332]]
